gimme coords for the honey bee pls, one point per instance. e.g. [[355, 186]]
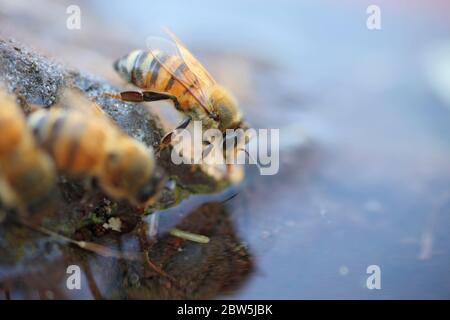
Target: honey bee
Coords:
[[27, 174], [169, 71], [89, 144]]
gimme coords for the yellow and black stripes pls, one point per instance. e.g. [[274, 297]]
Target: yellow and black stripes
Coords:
[[73, 141], [27, 170], [178, 75], [179, 71], [156, 71], [95, 147]]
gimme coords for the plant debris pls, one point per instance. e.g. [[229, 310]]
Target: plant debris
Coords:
[[189, 236]]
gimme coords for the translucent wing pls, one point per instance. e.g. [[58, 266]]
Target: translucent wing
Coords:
[[193, 76], [194, 65]]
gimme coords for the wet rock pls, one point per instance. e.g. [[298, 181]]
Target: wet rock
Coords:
[[29, 74]]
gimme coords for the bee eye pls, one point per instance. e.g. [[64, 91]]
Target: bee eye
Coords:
[[214, 116]]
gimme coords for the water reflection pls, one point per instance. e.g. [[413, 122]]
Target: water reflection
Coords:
[[193, 270]]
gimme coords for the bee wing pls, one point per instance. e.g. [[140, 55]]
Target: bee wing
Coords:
[[193, 64], [195, 78]]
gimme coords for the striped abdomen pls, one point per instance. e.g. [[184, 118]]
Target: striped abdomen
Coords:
[[94, 147], [142, 69], [75, 142], [28, 176]]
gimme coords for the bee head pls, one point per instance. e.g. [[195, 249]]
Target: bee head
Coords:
[[130, 172], [225, 109]]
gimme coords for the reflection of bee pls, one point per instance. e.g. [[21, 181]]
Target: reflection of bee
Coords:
[[170, 71], [86, 144], [27, 174]]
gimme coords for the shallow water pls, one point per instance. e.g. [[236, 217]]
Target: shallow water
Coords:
[[364, 119]]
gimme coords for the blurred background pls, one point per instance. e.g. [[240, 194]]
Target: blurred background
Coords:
[[364, 128]]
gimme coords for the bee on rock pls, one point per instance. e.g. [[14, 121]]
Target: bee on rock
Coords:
[[167, 70], [84, 142]]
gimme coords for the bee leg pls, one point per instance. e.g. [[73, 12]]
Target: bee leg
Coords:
[[167, 139], [129, 96], [141, 96], [157, 96]]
